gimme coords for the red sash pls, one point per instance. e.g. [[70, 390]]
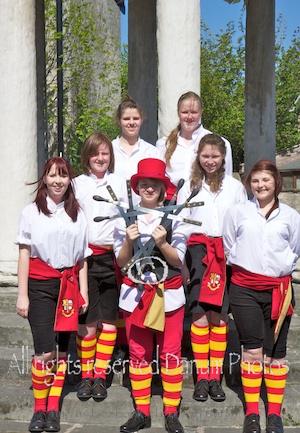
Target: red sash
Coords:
[[70, 298], [100, 249], [212, 286], [170, 191], [253, 281], [139, 314]]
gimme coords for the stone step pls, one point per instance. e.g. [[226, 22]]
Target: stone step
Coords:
[[16, 403], [16, 348], [15, 332], [8, 297], [16, 400]]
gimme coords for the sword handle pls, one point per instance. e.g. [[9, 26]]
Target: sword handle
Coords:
[[188, 221], [195, 204], [100, 218], [98, 198], [111, 192]]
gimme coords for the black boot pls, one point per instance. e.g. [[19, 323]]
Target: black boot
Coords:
[[136, 422], [173, 424], [99, 389], [37, 422], [216, 391], [52, 423], [84, 389], [274, 424], [251, 424], [201, 390]]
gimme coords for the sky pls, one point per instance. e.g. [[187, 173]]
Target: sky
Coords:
[[217, 13]]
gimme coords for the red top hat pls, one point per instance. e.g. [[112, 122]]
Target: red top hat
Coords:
[[150, 168]]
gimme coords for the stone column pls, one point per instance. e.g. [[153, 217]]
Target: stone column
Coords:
[[260, 115], [18, 119], [142, 62], [178, 48]]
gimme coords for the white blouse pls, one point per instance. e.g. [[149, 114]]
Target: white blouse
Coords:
[[126, 165], [55, 239], [211, 214], [85, 187], [184, 155], [264, 246]]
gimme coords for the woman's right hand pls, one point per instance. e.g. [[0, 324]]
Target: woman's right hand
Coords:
[[132, 233], [22, 306]]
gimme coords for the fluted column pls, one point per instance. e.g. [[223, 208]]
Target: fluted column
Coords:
[[18, 118], [178, 48]]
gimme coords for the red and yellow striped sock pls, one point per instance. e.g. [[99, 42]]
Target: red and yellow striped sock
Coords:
[[251, 373], [275, 379], [172, 377], [86, 349], [140, 374], [105, 347], [217, 349], [57, 385], [200, 347], [41, 375]]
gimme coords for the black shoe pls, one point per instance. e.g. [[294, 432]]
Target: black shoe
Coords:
[[52, 423], [84, 389], [201, 390], [216, 391], [99, 389], [173, 424], [137, 421], [274, 424], [37, 422], [251, 423]]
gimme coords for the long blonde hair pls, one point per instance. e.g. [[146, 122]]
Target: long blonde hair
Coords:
[[198, 173], [171, 141]]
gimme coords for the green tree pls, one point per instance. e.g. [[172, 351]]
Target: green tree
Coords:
[[222, 87], [223, 84], [91, 78], [287, 92]]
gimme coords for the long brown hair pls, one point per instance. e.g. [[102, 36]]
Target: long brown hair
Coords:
[[90, 148], [70, 203], [198, 173], [171, 141]]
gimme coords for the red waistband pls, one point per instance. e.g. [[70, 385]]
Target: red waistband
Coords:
[[171, 283], [98, 250], [279, 285]]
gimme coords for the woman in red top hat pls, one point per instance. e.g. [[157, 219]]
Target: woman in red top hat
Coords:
[[157, 284]]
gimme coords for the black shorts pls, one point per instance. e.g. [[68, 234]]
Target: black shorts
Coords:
[[43, 297], [251, 310], [194, 257], [103, 290]]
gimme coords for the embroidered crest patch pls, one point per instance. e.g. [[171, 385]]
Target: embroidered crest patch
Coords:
[[67, 307], [214, 281]]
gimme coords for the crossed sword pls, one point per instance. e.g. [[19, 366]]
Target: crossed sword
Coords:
[[129, 213]]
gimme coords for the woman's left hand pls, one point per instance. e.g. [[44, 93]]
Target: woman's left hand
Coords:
[[83, 309], [159, 235]]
